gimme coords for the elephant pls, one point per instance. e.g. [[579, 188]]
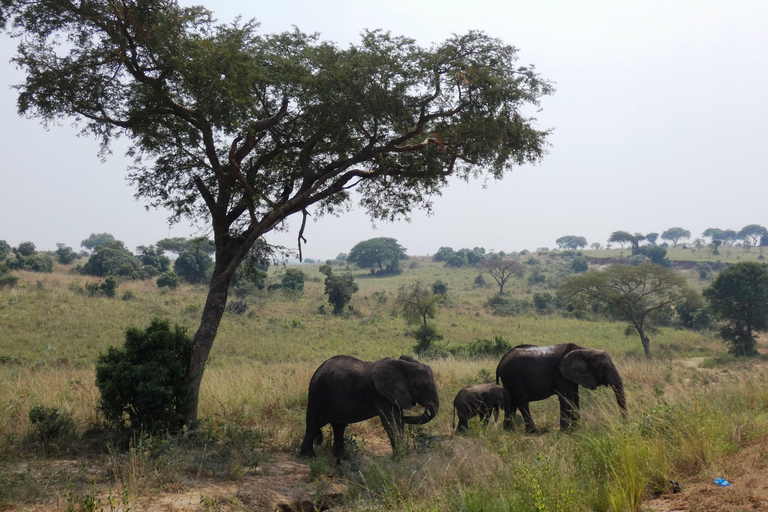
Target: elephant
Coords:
[[346, 390], [531, 373], [480, 400]]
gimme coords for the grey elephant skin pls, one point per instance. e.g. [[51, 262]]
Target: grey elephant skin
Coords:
[[346, 390], [480, 400], [531, 373]]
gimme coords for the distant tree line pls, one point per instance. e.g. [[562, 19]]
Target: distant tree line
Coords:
[[751, 235]]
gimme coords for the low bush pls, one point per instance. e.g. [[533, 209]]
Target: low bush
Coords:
[[53, 429], [143, 385], [496, 347]]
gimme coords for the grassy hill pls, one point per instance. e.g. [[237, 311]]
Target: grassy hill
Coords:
[[693, 412]]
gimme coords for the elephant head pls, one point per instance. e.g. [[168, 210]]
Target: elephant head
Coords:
[[590, 368], [406, 383]]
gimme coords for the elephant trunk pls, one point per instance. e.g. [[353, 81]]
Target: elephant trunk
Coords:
[[431, 407], [621, 400]]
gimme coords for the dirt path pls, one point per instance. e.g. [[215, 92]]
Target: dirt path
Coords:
[[281, 484]]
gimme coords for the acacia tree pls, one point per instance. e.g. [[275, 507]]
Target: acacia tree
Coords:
[[752, 234], [632, 292], [244, 130], [739, 295], [674, 235], [382, 252], [572, 242], [623, 237], [502, 270], [418, 303]]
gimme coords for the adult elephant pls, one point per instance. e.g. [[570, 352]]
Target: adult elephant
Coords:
[[531, 373], [346, 390]]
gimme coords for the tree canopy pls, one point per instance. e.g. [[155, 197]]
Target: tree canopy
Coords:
[[623, 237], [571, 242], [243, 130], [752, 234], [739, 295], [633, 292], [674, 235], [501, 270], [95, 240], [381, 252]]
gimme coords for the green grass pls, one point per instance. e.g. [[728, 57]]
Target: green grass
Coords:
[[684, 424]]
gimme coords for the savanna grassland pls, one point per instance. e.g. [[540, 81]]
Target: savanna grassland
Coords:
[[695, 413]]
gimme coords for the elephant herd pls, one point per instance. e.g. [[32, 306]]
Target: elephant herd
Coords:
[[346, 390]]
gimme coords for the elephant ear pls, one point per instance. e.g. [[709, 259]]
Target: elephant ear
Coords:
[[390, 379], [576, 367]]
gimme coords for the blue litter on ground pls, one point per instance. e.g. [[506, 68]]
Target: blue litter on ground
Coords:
[[722, 482]]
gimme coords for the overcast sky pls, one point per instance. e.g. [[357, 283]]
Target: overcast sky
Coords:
[[660, 120]]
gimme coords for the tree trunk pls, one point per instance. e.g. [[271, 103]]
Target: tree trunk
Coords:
[[646, 344], [202, 342]]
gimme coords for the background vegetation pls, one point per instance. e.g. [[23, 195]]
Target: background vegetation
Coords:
[[695, 412]]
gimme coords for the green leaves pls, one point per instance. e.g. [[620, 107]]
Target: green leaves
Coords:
[[385, 116]]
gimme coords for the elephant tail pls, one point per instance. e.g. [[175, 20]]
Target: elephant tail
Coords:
[[453, 418]]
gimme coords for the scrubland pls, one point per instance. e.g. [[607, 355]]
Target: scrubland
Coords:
[[695, 414]]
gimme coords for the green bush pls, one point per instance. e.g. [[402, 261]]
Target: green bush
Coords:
[[53, 429], [507, 306], [33, 263], [192, 266], [496, 347], [8, 280], [112, 259], [143, 385], [293, 279], [168, 280]]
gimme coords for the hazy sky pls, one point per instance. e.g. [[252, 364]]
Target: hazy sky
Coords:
[[660, 120]]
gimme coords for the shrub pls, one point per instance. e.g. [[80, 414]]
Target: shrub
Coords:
[[192, 265], [506, 306], [109, 286], [33, 263], [441, 289], [704, 270], [426, 335], [496, 347], [339, 289], [8, 280], [143, 385], [237, 307], [579, 264], [53, 429], [480, 281], [656, 253], [543, 302], [112, 259], [536, 277], [5, 249], [168, 279], [26, 249], [65, 254], [293, 279]]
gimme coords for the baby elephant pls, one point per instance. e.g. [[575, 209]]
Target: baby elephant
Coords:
[[480, 400]]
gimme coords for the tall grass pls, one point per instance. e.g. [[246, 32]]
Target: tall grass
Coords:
[[684, 423]]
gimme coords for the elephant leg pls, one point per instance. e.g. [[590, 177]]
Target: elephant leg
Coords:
[[338, 439], [509, 417], [485, 416], [530, 426], [310, 438], [463, 424], [569, 411]]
